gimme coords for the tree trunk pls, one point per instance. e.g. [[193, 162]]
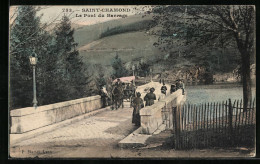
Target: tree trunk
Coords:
[[245, 71], [247, 93]]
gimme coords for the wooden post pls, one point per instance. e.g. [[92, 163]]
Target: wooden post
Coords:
[[208, 109], [184, 128], [230, 116], [253, 112], [177, 125], [249, 112], [174, 124], [223, 132]]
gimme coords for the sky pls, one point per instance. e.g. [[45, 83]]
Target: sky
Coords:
[[51, 13]]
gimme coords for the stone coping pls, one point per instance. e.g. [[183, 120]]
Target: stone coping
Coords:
[[150, 110], [32, 110]]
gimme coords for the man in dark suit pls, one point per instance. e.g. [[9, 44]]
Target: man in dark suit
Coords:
[[150, 97]]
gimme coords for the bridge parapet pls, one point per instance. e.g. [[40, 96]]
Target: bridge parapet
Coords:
[[27, 119], [152, 117]]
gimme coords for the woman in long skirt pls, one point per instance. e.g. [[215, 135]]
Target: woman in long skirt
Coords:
[[137, 104]]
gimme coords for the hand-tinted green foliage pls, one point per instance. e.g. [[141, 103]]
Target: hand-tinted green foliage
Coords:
[[143, 69], [137, 26], [222, 26], [26, 37], [60, 73], [69, 64], [118, 68]]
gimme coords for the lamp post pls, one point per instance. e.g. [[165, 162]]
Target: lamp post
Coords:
[[33, 61]]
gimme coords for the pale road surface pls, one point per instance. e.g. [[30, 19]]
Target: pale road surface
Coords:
[[98, 136], [104, 130]]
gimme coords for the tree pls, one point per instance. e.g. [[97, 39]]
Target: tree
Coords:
[[232, 26], [143, 68], [59, 71], [69, 64], [26, 38], [50, 88], [118, 68], [95, 78]]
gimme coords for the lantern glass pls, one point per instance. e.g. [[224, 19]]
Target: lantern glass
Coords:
[[33, 60]]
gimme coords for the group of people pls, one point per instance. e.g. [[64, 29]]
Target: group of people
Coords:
[[137, 102], [113, 94], [150, 97]]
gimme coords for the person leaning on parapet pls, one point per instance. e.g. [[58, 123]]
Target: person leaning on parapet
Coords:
[[103, 97], [163, 89], [137, 104], [150, 97]]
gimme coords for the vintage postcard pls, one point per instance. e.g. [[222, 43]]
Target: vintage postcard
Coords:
[[129, 81]]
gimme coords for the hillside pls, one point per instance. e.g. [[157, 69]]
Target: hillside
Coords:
[[129, 38], [86, 34], [129, 46]]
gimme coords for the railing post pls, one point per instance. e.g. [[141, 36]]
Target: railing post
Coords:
[[177, 124], [174, 122], [230, 117]]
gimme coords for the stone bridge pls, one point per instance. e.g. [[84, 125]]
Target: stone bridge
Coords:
[[83, 122]]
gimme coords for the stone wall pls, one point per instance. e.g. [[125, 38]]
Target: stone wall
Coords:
[[30, 118], [152, 117]]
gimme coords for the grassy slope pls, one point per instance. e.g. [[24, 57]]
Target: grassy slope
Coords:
[[86, 34], [129, 46]]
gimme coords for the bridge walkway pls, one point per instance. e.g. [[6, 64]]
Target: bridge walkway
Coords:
[[104, 130]]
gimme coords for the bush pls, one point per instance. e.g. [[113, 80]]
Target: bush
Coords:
[[137, 26]]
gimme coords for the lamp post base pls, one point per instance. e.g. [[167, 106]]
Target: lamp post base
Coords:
[[34, 89], [35, 104]]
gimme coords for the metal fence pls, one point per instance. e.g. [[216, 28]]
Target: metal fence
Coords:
[[224, 124]]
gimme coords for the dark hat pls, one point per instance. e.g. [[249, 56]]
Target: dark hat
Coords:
[[138, 94], [152, 89]]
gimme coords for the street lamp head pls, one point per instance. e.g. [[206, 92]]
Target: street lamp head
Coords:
[[33, 59]]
